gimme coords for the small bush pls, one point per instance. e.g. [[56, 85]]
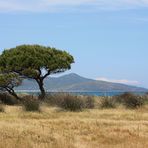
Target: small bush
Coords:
[[89, 102], [55, 99], [59, 98], [107, 102], [8, 99], [31, 104], [146, 99], [2, 109], [71, 103], [131, 101]]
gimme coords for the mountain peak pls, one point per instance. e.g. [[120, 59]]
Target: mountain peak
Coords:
[[75, 82], [72, 75]]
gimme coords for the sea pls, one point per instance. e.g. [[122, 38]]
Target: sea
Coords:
[[108, 93]]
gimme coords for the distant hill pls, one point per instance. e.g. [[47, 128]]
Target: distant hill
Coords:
[[73, 82]]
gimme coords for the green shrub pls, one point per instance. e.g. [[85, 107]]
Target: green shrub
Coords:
[[71, 103], [89, 102], [55, 99], [8, 99], [107, 102], [59, 98], [31, 104], [146, 99], [131, 101]]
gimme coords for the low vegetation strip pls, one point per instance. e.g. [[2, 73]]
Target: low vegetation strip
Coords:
[[63, 120]]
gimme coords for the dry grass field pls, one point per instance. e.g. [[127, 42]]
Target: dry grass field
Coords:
[[53, 128]]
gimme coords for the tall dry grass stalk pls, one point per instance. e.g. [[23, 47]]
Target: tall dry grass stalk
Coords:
[[108, 128]]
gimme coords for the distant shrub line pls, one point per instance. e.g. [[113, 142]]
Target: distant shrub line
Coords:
[[75, 103], [71, 102]]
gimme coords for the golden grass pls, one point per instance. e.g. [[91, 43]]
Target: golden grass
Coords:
[[52, 128]]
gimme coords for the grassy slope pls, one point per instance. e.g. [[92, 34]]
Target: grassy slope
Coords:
[[114, 128]]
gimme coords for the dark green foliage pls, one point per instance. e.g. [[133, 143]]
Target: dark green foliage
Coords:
[[8, 81], [8, 99], [107, 102], [35, 62], [131, 101], [35, 57], [89, 102], [31, 104]]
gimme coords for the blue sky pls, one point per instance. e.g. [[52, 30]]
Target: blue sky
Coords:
[[109, 39]]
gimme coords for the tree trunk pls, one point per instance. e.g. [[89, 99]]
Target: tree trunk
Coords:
[[12, 92], [41, 87]]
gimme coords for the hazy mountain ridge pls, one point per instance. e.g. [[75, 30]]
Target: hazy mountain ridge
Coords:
[[74, 82]]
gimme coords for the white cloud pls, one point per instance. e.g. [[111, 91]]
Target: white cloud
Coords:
[[122, 81], [54, 5]]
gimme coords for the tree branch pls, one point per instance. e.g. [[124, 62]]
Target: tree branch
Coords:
[[47, 74], [18, 72], [40, 72]]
